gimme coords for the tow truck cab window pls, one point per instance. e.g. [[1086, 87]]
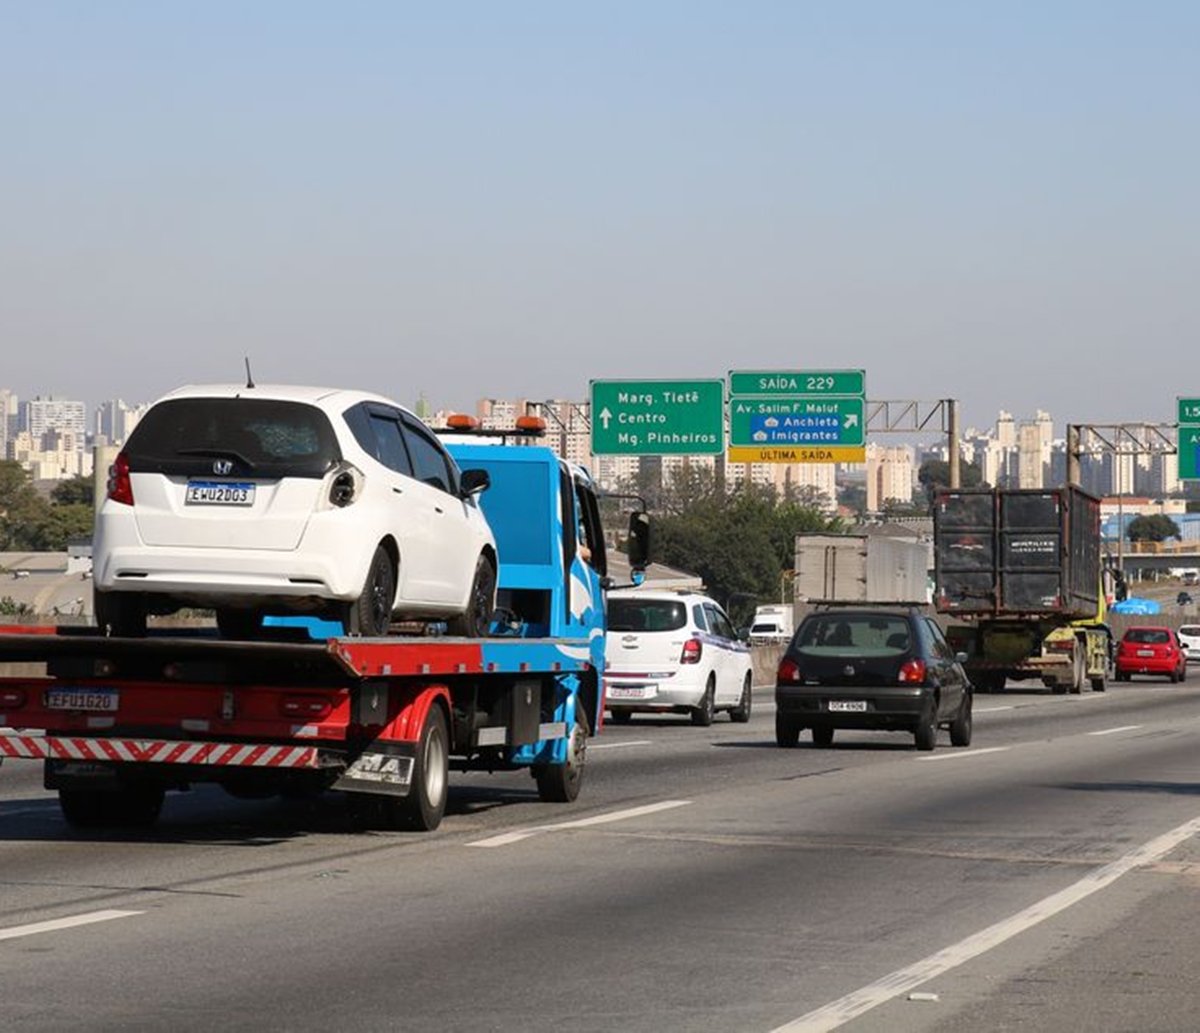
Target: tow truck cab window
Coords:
[[593, 531]]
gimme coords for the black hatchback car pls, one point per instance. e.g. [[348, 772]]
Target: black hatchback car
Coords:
[[875, 668]]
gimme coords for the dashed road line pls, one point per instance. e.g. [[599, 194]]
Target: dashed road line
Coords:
[[967, 753], [1113, 731], [618, 745], [70, 922], [902, 981], [516, 835], [994, 710]]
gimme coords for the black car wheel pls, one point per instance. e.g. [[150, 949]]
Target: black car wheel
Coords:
[[120, 614], [620, 717], [787, 730], [822, 736], [371, 613], [925, 734], [960, 727], [477, 620]]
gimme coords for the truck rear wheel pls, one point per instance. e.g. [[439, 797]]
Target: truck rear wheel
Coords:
[[425, 804], [559, 783]]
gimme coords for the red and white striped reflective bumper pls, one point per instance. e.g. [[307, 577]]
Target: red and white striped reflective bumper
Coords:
[[157, 751]]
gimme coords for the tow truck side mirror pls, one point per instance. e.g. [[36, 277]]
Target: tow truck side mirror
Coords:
[[639, 540]]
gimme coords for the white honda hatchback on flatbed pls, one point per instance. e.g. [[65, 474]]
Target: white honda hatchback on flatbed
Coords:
[[674, 652], [283, 500]]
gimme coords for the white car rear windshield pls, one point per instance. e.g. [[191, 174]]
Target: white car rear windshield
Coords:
[[646, 615], [262, 436]]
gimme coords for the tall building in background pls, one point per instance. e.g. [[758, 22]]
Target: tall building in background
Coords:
[[42, 414], [115, 420], [889, 476], [1031, 468], [8, 420]]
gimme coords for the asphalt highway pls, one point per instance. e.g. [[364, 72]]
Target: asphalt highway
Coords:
[[1045, 878]]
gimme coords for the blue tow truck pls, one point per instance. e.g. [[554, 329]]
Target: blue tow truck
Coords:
[[120, 721]]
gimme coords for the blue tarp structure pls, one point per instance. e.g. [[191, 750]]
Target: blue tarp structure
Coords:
[[1142, 607]]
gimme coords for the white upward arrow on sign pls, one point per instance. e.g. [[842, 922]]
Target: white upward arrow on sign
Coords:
[[605, 416]]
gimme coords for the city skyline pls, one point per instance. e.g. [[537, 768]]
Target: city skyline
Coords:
[[980, 203]]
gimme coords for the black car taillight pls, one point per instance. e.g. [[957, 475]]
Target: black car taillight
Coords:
[[788, 672], [120, 486], [912, 672]]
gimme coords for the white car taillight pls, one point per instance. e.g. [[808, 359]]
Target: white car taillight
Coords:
[[345, 486]]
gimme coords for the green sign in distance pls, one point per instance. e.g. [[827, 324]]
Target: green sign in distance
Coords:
[[1188, 441], [797, 422], [811, 382], [658, 417], [799, 409]]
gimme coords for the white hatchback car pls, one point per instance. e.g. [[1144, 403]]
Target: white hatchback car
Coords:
[[1189, 639], [674, 652], [283, 500]]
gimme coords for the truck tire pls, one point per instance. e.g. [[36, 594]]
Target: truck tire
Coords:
[[131, 806], [1099, 684], [741, 713], [702, 715], [787, 731], [1078, 671], [120, 614], [477, 620], [423, 807], [560, 783]]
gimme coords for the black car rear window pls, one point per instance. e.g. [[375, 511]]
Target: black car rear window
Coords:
[[1150, 636], [835, 633], [646, 615], [263, 437]]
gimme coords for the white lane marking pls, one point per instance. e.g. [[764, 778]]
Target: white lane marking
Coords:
[[967, 753], [841, 1011], [618, 745], [1113, 731], [993, 710], [505, 838], [13, 932]]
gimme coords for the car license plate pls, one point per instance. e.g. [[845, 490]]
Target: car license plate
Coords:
[[82, 699], [626, 691], [220, 493], [847, 705], [1145, 652]]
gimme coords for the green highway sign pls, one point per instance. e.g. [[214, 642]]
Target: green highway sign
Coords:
[[658, 417], [820, 414], [796, 421], [1188, 443], [768, 384]]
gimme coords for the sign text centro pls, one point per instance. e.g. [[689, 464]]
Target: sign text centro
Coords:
[[658, 417]]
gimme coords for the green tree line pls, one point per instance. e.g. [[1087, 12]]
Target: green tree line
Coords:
[[31, 523], [741, 542]]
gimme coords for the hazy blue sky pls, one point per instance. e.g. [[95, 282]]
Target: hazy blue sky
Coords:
[[990, 201]]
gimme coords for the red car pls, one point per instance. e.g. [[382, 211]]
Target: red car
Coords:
[[1151, 651]]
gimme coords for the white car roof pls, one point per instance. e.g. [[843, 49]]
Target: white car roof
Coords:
[[331, 398], [660, 595]]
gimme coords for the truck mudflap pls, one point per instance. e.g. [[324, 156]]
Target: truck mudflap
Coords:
[[24, 746]]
